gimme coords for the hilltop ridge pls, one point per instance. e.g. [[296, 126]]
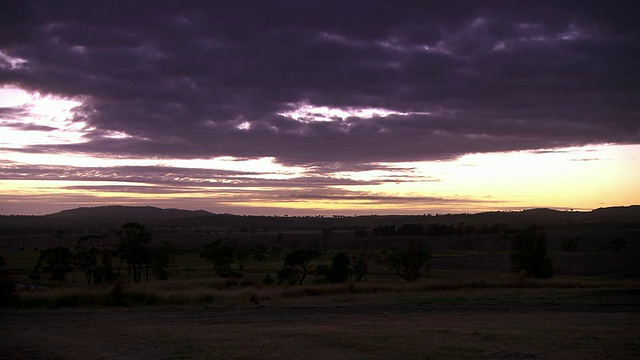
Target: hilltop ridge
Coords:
[[111, 217], [135, 213]]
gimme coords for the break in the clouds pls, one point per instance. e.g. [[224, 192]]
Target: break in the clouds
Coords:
[[330, 87]]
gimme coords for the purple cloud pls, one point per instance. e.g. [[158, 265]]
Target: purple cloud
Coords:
[[465, 77]]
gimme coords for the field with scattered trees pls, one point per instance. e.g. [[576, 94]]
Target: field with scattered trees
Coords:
[[472, 290]]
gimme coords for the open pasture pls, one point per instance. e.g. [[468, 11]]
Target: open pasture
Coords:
[[358, 329], [468, 306]]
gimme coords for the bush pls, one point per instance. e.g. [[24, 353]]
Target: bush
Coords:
[[360, 263], [221, 255], [570, 243], [267, 280], [529, 253], [411, 262], [340, 269], [57, 262], [161, 260], [6, 289], [297, 265]]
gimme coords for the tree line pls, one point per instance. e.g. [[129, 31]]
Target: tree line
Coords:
[[134, 256], [100, 263], [436, 230]]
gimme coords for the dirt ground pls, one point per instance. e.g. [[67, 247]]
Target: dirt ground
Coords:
[[501, 330]]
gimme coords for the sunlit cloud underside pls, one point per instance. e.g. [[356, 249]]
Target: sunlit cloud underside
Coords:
[[578, 178]]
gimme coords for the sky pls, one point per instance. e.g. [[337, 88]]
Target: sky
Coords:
[[319, 107]]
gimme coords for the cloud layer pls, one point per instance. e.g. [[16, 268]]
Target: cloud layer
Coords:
[[204, 80]]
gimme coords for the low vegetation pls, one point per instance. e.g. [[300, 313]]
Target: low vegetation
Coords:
[[410, 262], [100, 272], [329, 293], [529, 253]]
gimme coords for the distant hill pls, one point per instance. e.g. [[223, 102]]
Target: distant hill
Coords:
[[618, 213], [111, 218], [126, 213], [94, 219]]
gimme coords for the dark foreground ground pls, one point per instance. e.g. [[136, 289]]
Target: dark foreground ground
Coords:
[[489, 330]]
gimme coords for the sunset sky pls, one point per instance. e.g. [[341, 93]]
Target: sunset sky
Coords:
[[319, 107]]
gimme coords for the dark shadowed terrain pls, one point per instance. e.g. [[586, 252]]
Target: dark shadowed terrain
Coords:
[[499, 330]]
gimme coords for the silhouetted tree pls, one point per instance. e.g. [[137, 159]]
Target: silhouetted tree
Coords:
[[221, 255], [260, 252], [360, 233], [617, 244], [161, 260], [267, 280], [59, 235], [242, 252], [570, 243], [132, 249], [326, 232], [297, 265], [529, 253], [411, 262], [411, 230], [340, 269], [360, 263], [105, 271], [85, 255], [6, 287], [56, 262], [440, 229], [384, 230], [3, 271], [276, 250]]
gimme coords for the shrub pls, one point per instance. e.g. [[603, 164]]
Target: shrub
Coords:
[[56, 262], [221, 255], [529, 253], [570, 243], [360, 263], [6, 289], [297, 265], [161, 260], [411, 262], [132, 248], [260, 253], [340, 269], [267, 280]]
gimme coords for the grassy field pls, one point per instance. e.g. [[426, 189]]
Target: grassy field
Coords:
[[458, 267], [468, 306], [430, 331]]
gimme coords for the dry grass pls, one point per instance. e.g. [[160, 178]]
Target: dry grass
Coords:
[[234, 292], [207, 317], [270, 334]]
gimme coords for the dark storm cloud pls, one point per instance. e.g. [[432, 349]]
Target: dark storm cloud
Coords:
[[12, 115], [468, 76]]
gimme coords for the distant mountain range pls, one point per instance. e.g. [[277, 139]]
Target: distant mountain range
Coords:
[[112, 217]]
